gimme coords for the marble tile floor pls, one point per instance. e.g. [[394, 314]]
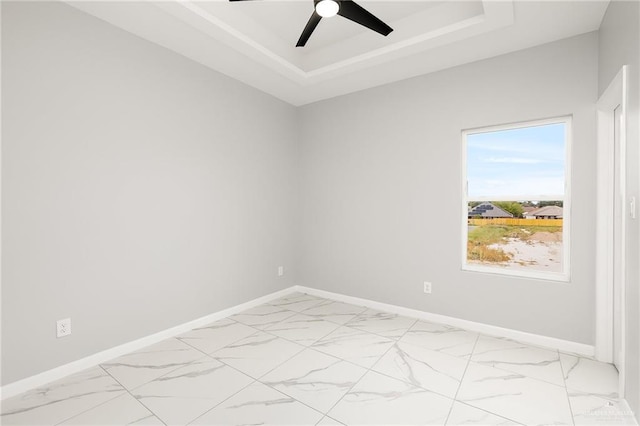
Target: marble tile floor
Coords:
[[304, 360]]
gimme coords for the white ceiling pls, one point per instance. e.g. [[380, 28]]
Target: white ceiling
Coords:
[[254, 41]]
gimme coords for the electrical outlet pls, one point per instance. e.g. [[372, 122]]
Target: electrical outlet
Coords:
[[427, 287], [280, 271], [63, 327]]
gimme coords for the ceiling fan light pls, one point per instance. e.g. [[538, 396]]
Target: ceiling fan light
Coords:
[[327, 8]]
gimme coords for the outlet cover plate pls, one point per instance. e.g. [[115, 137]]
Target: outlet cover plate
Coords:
[[63, 327]]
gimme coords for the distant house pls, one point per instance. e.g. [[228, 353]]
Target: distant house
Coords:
[[488, 211], [548, 212]]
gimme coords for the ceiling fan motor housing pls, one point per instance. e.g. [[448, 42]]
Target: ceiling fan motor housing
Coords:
[[348, 9], [326, 8]]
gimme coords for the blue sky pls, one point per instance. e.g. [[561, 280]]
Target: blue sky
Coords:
[[524, 163]]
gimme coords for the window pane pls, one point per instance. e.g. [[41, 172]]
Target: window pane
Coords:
[[515, 199], [522, 163], [516, 236]]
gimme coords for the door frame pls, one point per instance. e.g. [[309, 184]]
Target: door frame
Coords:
[[615, 95]]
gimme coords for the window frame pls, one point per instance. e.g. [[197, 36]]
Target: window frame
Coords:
[[565, 275]]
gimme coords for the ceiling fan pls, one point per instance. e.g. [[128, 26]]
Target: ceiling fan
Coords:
[[345, 8]]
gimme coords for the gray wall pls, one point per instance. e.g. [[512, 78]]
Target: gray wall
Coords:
[[620, 45], [134, 178], [139, 189], [381, 187]]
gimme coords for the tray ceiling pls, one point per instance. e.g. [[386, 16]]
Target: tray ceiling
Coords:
[[254, 41]]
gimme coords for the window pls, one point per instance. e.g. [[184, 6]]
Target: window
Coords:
[[516, 199]]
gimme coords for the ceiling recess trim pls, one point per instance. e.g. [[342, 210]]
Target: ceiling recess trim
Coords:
[[242, 38], [494, 15]]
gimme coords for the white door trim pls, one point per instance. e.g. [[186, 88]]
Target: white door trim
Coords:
[[615, 95]]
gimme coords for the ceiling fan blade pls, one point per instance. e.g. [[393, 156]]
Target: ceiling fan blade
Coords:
[[351, 10], [308, 29]]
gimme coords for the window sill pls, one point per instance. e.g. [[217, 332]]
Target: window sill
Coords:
[[534, 275]]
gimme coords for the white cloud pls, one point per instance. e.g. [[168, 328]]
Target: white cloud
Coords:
[[511, 160]]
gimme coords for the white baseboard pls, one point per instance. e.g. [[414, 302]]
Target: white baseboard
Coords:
[[57, 373], [521, 336]]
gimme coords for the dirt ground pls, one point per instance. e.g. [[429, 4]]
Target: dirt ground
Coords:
[[547, 237], [541, 252]]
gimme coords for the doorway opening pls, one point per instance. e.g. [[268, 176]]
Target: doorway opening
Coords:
[[611, 224]]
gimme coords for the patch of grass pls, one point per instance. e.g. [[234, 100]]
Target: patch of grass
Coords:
[[483, 253], [488, 234], [492, 234]]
